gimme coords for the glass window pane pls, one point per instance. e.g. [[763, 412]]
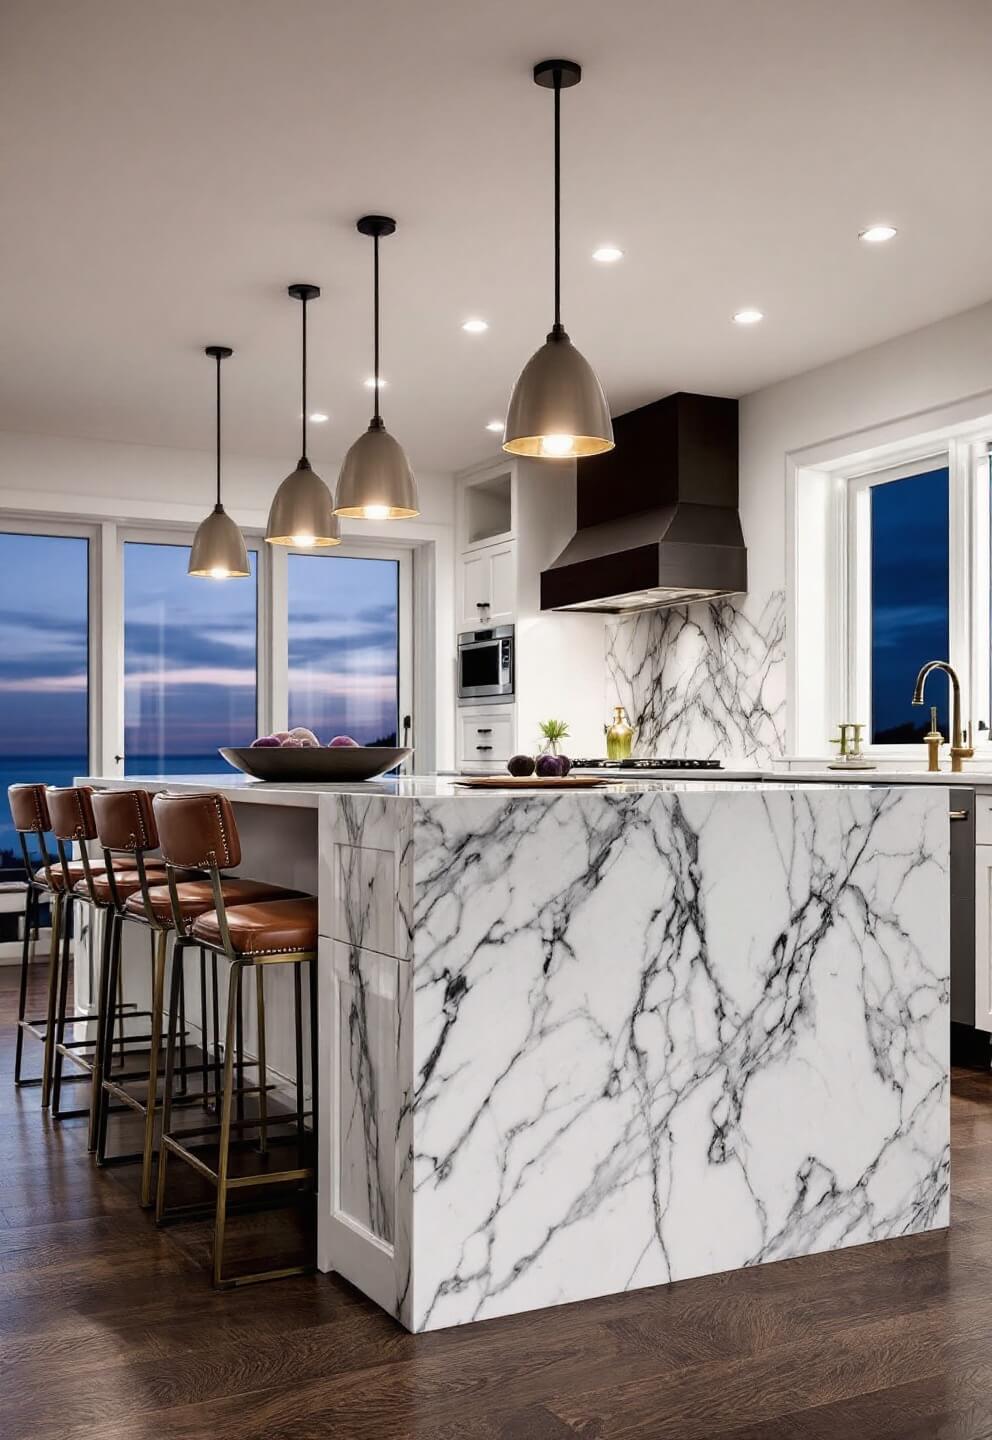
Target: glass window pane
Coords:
[[44, 666], [190, 676], [344, 647], [910, 609]]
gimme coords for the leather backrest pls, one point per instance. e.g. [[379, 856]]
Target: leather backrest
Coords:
[[29, 809], [125, 820], [71, 811], [198, 831]]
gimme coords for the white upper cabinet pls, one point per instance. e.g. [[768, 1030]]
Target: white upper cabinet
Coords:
[[487, 586]]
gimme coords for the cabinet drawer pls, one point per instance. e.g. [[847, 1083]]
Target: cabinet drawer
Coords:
[[483, 738], [983, 820]]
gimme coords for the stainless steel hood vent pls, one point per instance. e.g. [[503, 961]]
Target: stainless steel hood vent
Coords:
[[657, 516]]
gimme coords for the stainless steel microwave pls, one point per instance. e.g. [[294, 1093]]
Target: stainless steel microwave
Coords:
[[485, 665]]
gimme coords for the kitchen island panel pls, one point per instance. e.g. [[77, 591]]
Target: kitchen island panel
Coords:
[[660, 1035]]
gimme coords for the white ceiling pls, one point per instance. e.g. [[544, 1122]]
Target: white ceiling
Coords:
[[167, 168]]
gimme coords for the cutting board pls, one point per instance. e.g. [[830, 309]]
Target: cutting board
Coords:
[[531, 782]]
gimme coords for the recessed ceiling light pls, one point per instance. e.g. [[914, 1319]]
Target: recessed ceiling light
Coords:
[[475, 327], [748, 317], [318, 417], [607, 254], [496, 426], [877, 234], [370, 383]]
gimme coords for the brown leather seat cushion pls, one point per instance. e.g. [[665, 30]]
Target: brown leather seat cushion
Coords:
[[196, 896], [76, 872], [269, 927], [128, 883]]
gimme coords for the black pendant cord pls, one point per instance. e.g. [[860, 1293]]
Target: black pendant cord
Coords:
[[557, 326], [375, 325], [303, 452], [218, 431]]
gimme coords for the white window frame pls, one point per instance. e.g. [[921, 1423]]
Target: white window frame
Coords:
[[152, 535], [418, 632], [42, 526], [351, 549], [848, 541]]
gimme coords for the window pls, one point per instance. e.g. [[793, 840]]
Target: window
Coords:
[[910, 602], [344, 646], [190, 662], [44, 666], [893, 570]]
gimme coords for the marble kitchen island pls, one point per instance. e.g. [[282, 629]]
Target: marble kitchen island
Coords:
[[582, 1042]]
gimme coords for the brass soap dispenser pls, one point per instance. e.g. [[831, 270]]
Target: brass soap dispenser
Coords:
[[619, 735]]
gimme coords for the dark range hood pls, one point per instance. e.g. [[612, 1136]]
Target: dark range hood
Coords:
[[657, 515]]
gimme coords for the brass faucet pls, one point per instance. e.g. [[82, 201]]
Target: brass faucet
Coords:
[[959, 750]]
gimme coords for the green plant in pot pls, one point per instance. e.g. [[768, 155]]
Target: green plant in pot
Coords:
[[551, 761]]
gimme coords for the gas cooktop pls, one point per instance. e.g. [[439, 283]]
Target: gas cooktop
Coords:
[[646, 764]]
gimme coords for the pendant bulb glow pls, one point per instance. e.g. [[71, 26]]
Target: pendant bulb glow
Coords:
[[558, 409], [376, 481], [302, 510], [218, 551]]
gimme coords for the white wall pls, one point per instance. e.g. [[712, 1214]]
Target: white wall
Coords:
[[97, 478], [840, 406]]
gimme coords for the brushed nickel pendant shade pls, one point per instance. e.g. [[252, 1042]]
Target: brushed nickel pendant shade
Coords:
[[558, 410], [302, 510], [376, 482], [218, 551]]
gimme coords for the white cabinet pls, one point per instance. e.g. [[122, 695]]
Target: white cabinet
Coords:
[[487, 586], [983, 937], [485, 738]]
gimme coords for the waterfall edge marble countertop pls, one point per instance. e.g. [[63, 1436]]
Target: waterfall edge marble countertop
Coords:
[[581, 1042]]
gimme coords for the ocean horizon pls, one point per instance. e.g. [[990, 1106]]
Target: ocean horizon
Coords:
[[63, 770]]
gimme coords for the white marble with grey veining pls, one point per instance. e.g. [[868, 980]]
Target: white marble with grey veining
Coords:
[[645, 1034], [704, 680]]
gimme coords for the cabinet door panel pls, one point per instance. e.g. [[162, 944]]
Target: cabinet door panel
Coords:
[[502, 583], [983, 937]]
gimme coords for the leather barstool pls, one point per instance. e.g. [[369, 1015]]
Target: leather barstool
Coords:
[[74, 822], [250, 935], [125, 825], [47, 879]]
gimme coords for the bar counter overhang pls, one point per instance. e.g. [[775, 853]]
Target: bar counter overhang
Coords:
[[579, 1043]]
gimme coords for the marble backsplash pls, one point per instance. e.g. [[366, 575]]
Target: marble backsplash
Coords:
[[706, 681]]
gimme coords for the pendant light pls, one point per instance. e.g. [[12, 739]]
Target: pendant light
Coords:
[[376, 482], [558, 409], [302, 511], [218, 550]]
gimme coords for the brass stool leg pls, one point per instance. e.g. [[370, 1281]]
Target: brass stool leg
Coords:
[[170, 1069], [31, 906], [53, 980], [263, 1101], [60, 1009], [154, 1054], [183, 1085], [204, 1068], [227, 1099], [104, 1002], [113, 1016], [216, 1014]]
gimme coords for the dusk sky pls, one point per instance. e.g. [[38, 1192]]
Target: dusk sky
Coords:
[[343, 646], [43, 645], [910, 588]]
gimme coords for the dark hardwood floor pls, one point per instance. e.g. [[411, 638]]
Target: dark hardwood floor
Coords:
[[109, 1330]]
